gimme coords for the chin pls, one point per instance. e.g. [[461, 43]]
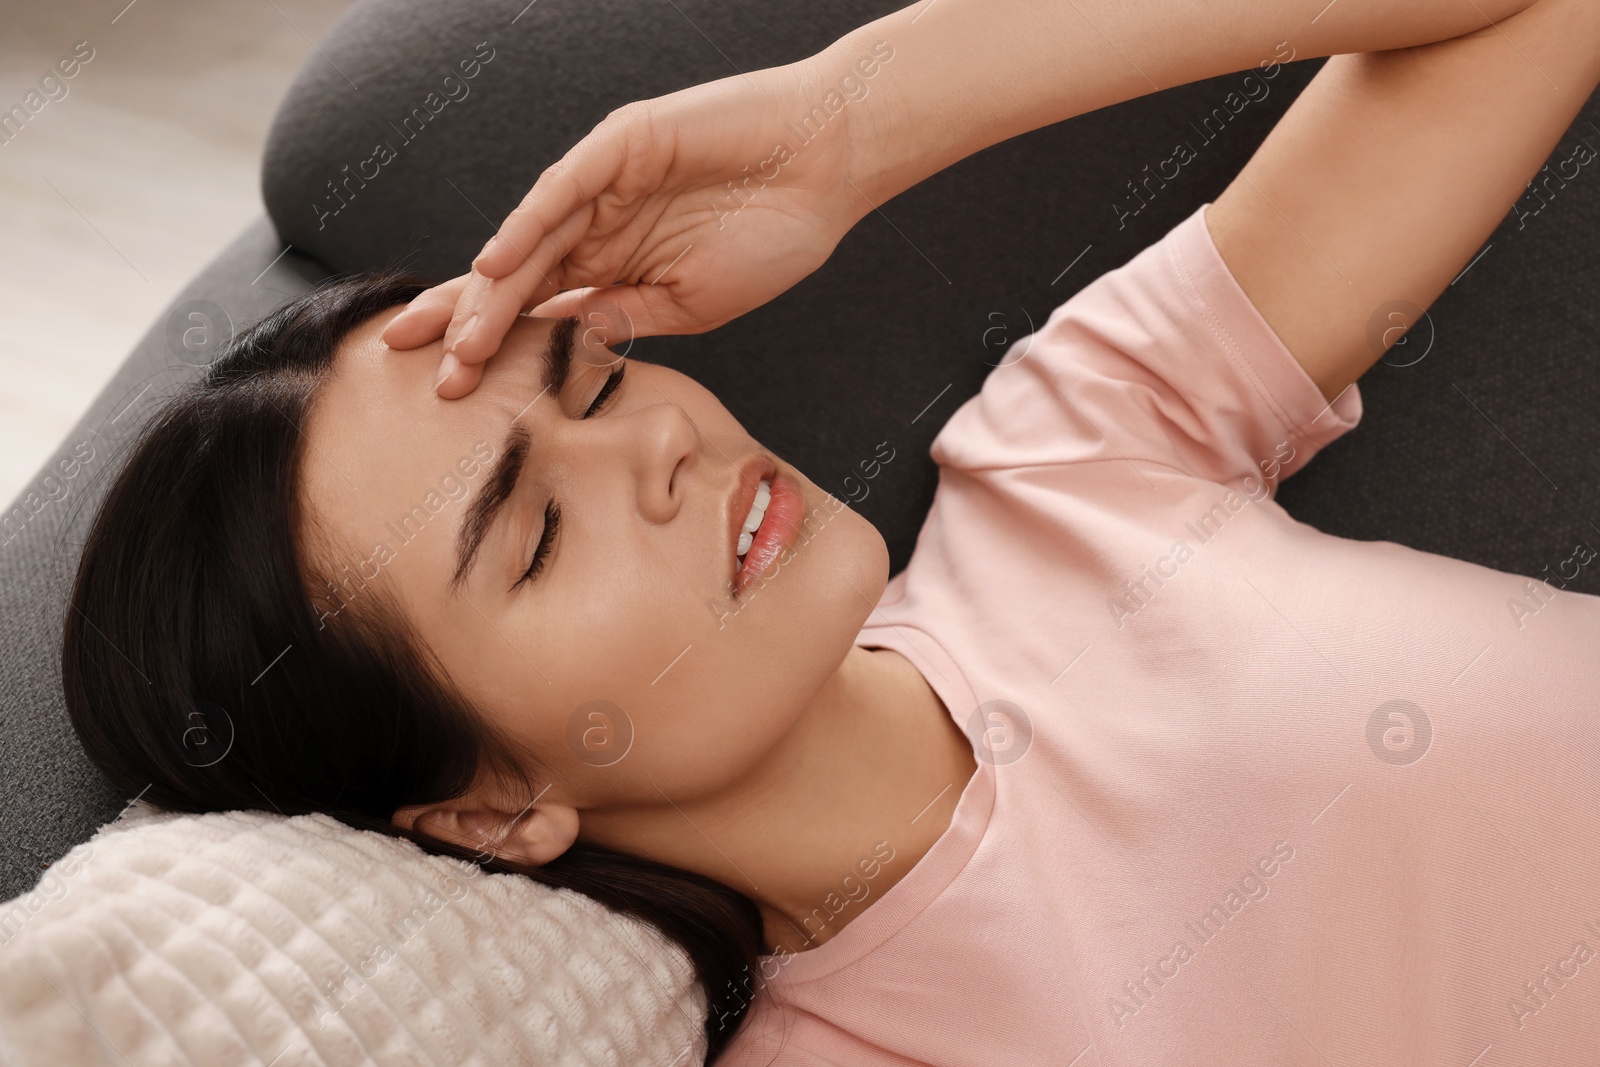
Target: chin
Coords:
[[878, 568], [861, 562]]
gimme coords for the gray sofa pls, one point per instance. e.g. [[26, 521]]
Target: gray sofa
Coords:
[[1484, 448]]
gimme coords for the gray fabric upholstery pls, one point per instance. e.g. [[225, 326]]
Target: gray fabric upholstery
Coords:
[[1484, 449], [52, 797]]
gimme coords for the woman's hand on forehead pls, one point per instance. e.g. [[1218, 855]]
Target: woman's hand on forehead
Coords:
[[673, 216]]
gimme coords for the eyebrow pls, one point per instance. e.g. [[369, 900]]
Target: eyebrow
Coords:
[[486, 505]]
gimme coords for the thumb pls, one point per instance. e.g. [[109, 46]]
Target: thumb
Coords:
[[568, 302], [614, 315], [603, 320]]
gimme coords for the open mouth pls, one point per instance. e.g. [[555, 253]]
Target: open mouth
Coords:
[[767, 509], [752, 521]]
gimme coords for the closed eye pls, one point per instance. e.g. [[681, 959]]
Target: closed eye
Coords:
[[552, 523], [552, 511], [606, 390]]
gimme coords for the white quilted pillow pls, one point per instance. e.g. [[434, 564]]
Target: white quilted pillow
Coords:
[[248, 938]]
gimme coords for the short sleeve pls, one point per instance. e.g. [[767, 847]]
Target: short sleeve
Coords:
[[1163, 360]]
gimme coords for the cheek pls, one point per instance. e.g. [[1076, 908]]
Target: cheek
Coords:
[[620, 671], [615, 634]]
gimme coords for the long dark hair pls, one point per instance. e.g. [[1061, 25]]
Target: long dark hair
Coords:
[[197, 672]]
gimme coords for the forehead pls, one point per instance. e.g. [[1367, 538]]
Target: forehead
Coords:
[[387, 463]]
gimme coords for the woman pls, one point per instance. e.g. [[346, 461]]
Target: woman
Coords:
[[1126, 760]]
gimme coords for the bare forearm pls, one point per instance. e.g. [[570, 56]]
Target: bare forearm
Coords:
[[967, 74], [1390, 171]]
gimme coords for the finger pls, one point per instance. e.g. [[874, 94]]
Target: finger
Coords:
[[624, 312], [602, 320], [561, 189], [425, 318], [613, 315], [563, 304], [459, 380], [488, 306]]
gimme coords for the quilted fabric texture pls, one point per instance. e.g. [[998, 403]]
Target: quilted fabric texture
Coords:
[[243, 937]]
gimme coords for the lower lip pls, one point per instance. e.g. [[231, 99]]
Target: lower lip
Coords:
[[776, 534]]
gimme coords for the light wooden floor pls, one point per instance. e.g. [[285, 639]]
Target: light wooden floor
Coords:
[[113, 196]]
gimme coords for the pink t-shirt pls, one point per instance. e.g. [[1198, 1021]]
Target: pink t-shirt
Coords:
[[1247, 793]]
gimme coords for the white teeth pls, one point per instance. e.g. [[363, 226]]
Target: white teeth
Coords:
[[758, 509]]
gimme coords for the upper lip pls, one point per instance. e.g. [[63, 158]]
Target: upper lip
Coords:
[[752, 472]]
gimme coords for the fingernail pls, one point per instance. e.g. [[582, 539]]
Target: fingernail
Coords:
[[466, 332], [447, 367], [488, 246]]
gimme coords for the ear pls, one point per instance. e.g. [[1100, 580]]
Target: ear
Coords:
[[534, 835]]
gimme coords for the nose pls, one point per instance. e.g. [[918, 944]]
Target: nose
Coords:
[[658, 446]]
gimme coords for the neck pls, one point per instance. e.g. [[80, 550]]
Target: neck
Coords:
[[853, 797]]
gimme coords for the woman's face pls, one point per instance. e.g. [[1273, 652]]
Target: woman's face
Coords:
[[627, 663]]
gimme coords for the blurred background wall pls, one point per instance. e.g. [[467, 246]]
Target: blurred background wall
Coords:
[[119, 182]]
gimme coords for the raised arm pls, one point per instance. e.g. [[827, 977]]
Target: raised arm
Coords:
[[1390, 171], [971, 73], [700, 205], [1374, 190]]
